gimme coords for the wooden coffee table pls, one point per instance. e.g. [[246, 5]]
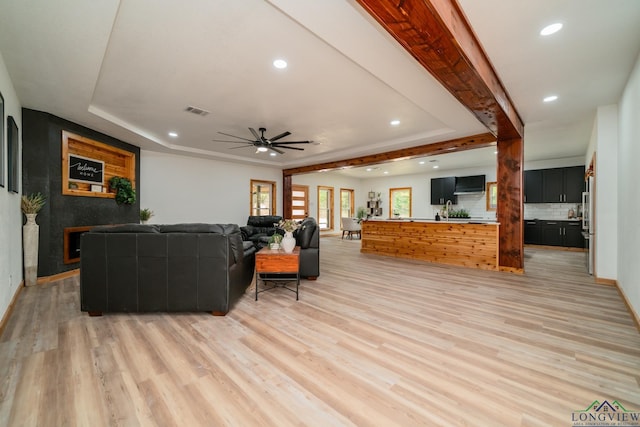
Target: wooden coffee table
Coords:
[[278, 267]]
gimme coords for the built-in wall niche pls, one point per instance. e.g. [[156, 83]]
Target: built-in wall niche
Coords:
[[71, 243], [88, 165]]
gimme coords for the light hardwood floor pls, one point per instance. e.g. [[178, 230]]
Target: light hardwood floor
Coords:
[[374, 341]]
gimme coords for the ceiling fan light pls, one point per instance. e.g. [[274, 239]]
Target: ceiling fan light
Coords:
[[262, 149], [551, 29]]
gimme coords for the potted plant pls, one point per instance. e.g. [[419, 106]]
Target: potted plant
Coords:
[[145, 215], [30, 206], [274, 241], [125, 193], [361, 214]]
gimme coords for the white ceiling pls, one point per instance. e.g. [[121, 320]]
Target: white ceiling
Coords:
[[129, 68]]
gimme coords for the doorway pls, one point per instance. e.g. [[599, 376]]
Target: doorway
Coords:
[[299, 202]]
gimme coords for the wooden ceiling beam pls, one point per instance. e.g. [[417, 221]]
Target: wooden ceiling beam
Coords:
[[454, 145], [436, 33]]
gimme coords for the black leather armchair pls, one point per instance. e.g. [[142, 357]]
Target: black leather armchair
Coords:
[[182, 267], [259, 227]]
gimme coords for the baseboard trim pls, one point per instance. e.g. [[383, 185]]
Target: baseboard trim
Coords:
[[7, 314], [511, 270], [634, 315], [59, 276], [555, 248], [608, 282]]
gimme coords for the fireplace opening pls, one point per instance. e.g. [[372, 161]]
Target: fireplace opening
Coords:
[[72, 243]]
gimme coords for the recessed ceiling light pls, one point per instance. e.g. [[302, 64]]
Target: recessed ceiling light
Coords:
[[386, 172], [280, 63], [395, 122], [495, 152], [262, 149], [550, 29], [550, 98], [272, 154], [369, 169], [436, 166], [173, 134], [421, 162]]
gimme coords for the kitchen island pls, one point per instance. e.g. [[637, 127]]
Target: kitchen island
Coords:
[[465, 243]]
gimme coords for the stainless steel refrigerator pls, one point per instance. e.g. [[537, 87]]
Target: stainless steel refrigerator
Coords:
[[587, 222]]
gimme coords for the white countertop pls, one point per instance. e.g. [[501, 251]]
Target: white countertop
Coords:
[[452, 220]]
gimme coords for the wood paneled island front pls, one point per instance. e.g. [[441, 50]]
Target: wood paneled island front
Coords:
[[467, 244]]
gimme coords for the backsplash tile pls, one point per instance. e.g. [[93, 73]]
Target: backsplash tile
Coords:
[[557, 211], [476, 205]]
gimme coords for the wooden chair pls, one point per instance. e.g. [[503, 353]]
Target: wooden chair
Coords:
[[350, 226]]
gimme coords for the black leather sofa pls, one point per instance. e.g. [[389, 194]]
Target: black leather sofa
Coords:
[[164, 268], [259, 228], [308, 238]]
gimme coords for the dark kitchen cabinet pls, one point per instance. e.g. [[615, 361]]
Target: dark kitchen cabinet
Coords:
[[574, 184], [573, 237], [442, 189], [532, 233], [533, 186], [553, 233], [556, 185], [553, 185]]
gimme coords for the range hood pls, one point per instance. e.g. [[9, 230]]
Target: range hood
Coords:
[[469, 184]]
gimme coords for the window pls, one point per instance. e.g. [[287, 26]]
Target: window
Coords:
[[492, 196], [325, 208], [346, 203], [400, 201], [263, 198]]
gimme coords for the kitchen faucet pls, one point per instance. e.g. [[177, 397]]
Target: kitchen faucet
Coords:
[[446, 209]]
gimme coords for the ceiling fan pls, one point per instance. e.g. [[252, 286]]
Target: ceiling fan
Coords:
[[262, 143]]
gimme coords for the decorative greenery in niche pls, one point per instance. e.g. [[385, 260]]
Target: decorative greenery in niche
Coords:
[[125, 193], [32, 203]]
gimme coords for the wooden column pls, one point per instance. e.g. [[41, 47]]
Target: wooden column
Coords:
[[510, 208], [287, 183]]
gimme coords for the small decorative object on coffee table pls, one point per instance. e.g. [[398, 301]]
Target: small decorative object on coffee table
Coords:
[[288, 242], [274, 241]]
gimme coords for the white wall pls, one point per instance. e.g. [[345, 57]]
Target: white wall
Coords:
[[10, 214], [606, 200], [629, 190], [555, 163], [187, 189]]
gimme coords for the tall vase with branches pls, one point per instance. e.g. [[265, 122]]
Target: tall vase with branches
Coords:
[[31, 205]]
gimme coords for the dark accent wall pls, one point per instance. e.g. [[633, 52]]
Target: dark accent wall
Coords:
[[42, 172]]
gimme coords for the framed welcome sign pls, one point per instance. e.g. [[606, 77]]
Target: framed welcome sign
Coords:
[[84, 169]]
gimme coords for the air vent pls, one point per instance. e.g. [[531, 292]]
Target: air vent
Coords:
[[196, 110]]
